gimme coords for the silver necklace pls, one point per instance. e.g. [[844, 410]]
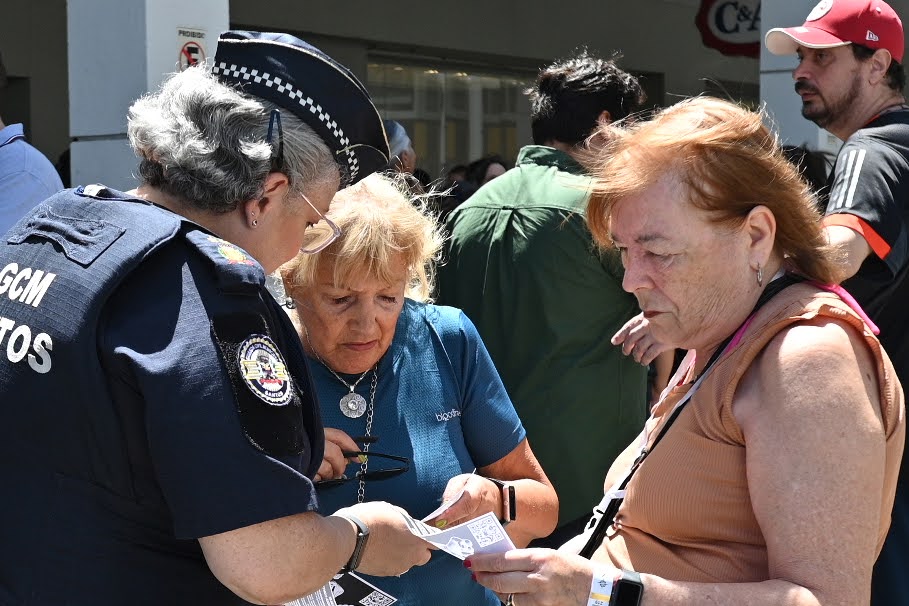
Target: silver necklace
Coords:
[[361, 488], [353, 405]]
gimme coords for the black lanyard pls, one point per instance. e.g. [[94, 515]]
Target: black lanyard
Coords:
[[608, 517]]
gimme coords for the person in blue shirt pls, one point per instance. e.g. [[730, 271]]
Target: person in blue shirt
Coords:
[[27, 178], [401, 377], [159, 434]]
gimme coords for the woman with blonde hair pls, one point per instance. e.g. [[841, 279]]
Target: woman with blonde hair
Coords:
[[766, 472], [408, 393]]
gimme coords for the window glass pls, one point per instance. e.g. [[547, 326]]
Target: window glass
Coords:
[[453, 116]]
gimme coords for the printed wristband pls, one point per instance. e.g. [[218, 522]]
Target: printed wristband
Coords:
[[601, 587]]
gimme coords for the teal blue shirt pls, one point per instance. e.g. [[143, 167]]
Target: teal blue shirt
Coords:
[[440, 403], [523, 266]]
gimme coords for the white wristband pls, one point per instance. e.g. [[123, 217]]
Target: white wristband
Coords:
[[600, 587]]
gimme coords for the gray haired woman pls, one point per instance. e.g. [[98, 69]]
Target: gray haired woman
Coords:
[[166, 435]]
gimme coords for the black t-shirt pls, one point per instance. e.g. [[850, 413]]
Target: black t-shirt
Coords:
[[870, 193]]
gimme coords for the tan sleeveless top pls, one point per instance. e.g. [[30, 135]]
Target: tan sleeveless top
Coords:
[[687, 513]]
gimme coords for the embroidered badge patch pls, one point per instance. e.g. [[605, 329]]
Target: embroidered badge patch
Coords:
[[231, 252], [264, 371]]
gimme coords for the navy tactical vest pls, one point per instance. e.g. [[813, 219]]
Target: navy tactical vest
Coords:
[[65, 456]]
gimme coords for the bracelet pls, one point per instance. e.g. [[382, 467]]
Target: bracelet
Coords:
[[509, 502], [600, 587], [360, 546]]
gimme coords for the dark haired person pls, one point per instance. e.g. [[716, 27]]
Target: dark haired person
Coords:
[[523, 267], [850, 79], [483, 170], [159, 433], [456, 173]]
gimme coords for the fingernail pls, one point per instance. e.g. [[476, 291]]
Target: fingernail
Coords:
[[467, 564], [441, 523]]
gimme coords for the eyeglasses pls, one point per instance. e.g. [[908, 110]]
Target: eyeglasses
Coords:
[[370, 474], [319, 235]]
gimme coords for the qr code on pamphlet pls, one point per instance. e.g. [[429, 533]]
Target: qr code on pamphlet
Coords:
[[346, 589], [377, 598], [486, 531]]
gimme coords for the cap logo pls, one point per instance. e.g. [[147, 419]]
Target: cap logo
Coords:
[[264, 371], [820, 9], [871, 36]]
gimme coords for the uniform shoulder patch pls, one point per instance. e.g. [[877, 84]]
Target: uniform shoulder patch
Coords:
[[235, 269], [231, 252], [269, 393], [264, 371]]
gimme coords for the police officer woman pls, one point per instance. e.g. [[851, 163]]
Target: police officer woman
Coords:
[[158, 431]]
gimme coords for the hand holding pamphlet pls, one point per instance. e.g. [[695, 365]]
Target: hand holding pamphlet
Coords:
[[483, 534]]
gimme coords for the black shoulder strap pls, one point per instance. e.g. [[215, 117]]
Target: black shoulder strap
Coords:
[[608, 517]]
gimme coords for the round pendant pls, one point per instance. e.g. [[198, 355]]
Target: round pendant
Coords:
[[353, 405]]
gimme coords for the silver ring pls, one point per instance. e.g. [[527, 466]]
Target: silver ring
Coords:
[[510, 600]]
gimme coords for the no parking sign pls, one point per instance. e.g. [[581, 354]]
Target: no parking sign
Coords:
[[191, 45]]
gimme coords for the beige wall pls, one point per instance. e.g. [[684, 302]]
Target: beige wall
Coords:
[[653, 35]]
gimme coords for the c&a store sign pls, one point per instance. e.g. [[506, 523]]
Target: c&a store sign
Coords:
[[733, 27]]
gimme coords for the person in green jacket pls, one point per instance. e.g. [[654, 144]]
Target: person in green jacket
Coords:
[[522, 265]]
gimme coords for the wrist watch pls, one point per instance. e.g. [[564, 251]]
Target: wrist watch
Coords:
[[627, 590], [360, 546], [509, 502]]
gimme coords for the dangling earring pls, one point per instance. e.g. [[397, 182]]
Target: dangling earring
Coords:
[[760, 275]]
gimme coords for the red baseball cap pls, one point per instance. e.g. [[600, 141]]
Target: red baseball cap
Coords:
[[871, 23]]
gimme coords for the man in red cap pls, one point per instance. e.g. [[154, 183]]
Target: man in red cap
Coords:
[[850, 78]]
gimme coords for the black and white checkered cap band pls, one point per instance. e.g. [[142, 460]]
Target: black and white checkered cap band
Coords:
[[245, 74]]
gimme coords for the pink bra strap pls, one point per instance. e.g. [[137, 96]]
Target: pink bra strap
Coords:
[[843, 294]]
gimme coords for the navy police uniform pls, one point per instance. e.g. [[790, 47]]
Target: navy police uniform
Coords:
[[153, 393]]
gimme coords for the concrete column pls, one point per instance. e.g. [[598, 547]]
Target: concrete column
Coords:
[[117, 52]]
